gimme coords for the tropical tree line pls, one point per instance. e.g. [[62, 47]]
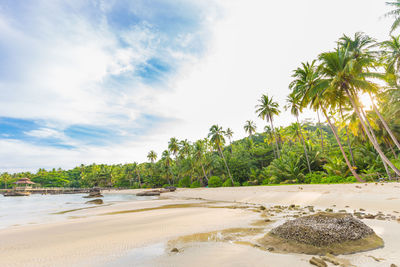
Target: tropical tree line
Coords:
[[350, 142]]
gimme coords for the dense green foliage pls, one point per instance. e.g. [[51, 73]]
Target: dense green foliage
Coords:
[[355, 143]]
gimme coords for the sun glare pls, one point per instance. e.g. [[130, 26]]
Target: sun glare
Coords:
[[365, 101]]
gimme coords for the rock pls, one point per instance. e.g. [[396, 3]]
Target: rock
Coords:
[[369, 216], [330, 258], [393, 265], [317, 262], [342, 211], [95, 201], [292, 206], [270, 249], [171, 188], [329, 210], [262, 208], [149, 193], [175, 250], [361, 209], [94, 195], [357, 186], [310, 208]]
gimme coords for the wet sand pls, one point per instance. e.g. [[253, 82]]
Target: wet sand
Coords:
[[138, 233]]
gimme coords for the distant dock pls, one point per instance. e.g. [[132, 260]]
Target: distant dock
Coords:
[[49, 190]]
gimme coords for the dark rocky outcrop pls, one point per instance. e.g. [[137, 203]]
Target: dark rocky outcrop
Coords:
[[97, 201], [149, 193], [95, 192], [336, 233]]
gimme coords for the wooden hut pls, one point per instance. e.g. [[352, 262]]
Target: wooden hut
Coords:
[[24, 182]]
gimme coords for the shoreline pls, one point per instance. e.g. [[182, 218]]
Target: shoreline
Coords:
[[111, 235]]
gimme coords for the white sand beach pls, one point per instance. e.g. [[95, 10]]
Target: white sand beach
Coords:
[[136, 233]]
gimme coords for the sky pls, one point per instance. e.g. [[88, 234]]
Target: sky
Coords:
[[106, 81]]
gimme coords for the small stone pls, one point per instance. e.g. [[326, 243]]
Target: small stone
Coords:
[[310, 208], [361, 209], [369, 216], [262, 208], [330, 258], [318, 262], [342, 211], [393, 265], [347, 206], [270, 249], [95, 201], [175, 250], [292, 206], [329, 210], [357, 186]]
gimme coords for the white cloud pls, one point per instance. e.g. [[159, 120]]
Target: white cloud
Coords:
[[251, 51]]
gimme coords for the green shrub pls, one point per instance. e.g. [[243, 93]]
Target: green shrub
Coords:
[[214, 181], [195, 184], [184, 182], [315, 177], [265, 181], [228, 183]]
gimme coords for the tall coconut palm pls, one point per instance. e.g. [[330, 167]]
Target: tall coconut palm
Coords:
[[250, 128], [229, 134], [346, 74], [310, 88], [216, 136], [395, 13], [307, 76], [167, 160], [266, 110], [152, 156], [199, 150], [173, 146], [293, 103]]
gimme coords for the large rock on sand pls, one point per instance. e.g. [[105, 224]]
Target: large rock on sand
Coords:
[[321, 233]]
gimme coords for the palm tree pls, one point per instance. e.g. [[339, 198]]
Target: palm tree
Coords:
[[216, 136], [167, 160], [346, 74], [394, 13], [152, 156], [199, 149], [310, 88], [293, 104], [173, 146], [250, 128], [266, 110], [229, 134]]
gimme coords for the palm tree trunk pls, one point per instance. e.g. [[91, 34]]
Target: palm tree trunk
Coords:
[[391, 149], [375, 144], [140, 184], [374, 137], [204, 172], [333, 128], [226, 165], [348, 137], [385, 124], [276, 139], [320, 131], [304, 144]]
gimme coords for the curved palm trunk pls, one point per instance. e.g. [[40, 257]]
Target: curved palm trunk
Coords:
[[375, 144], [385, 124], [276, 139], [226, 165], [204, 172], [348, 138], [376, 140], [320, 131], [333, 128], [304, 144]]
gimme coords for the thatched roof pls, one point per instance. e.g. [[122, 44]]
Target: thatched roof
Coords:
[[24, 181]]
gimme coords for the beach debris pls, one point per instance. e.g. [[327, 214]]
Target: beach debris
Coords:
[[175, 250], [97, 201], [318, 262], [321, 233]]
